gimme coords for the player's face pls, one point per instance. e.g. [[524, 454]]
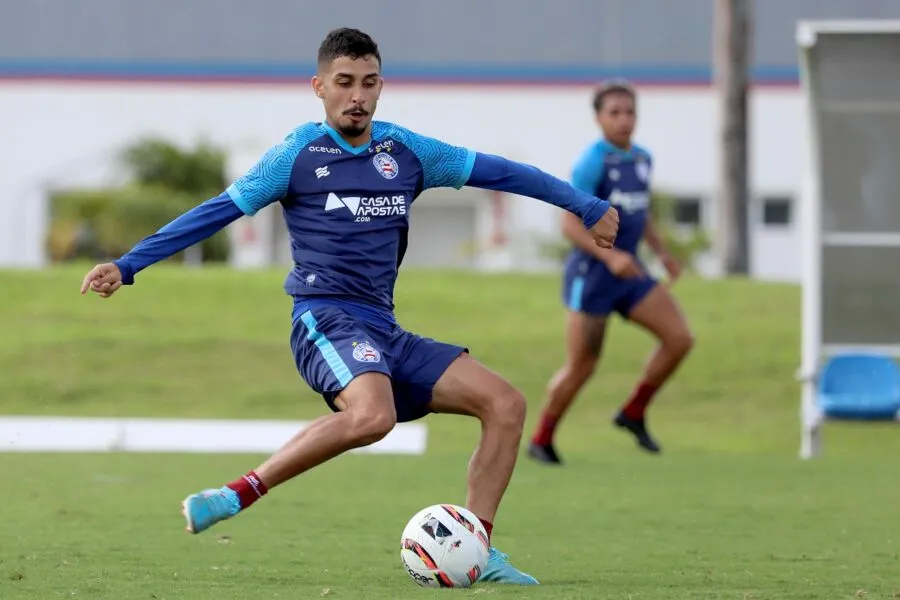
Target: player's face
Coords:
[[617, 118], [349, 89]]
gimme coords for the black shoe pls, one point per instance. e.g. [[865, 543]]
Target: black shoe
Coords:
[[545, 454], [639, 430]]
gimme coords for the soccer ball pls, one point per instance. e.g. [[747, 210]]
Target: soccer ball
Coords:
[[444, 546]]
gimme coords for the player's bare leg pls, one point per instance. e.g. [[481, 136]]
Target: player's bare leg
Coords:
[[660, 315], [367, 414], [584, 343], [469, 388]]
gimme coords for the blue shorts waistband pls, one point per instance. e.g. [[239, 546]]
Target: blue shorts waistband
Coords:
[[367, 313]]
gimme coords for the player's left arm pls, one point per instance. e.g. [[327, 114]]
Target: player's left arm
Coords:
[[445, 165], [655, 240], [656, 243]]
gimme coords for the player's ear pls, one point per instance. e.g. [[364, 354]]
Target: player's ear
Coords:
[[318, 86]]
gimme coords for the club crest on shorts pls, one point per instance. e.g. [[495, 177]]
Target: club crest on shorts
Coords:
[[365, 352], [386, 165]]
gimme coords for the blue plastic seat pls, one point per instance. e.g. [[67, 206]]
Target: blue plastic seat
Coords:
[[860, 386]]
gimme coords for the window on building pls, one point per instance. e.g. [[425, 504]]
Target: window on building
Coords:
[[688, 210], [777, 210]]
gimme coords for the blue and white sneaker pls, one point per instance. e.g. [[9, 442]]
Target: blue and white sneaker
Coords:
[[499, 570], [203, 510]]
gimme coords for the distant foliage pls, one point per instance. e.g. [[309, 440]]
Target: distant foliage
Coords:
[[683, 244], [156, 162], [165, 181]]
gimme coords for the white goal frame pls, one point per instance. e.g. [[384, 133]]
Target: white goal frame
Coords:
[[812, 348]]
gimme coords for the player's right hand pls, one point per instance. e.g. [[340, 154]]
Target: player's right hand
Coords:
[[604, 231], [103, 279], [623, 265]]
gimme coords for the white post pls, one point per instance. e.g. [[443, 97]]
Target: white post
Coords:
[[811, 417], [811, 302]]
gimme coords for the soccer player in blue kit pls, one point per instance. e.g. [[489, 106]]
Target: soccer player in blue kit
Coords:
[[346, 185], [600, 281]]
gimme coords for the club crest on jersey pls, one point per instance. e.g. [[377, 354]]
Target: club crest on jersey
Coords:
[[386, 165], [365, 352], [642, 170]]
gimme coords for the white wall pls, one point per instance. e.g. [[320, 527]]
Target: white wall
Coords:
[[68, 133]]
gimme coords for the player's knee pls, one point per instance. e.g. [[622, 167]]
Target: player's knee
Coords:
[[582, 368], [371, 426], [507, 410], [680, 342]]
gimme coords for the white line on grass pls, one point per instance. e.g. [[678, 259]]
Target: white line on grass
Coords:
[[79, 434]]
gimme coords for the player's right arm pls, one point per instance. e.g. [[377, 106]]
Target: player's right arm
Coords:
[[265, 183], [586, 176], [621, 264]]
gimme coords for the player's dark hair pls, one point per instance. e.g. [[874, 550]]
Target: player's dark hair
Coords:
[[612, 87], [347, 42]]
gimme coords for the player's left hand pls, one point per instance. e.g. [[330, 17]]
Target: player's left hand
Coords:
[[605, 230], [103, 279], [673, 267]]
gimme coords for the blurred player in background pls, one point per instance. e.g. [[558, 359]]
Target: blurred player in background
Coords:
[[601, 281], [346, 185]]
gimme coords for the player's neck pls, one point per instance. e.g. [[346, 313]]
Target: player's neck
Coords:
[[361, 140], [623, 146]]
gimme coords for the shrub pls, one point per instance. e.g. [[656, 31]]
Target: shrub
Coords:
[[102, 224]]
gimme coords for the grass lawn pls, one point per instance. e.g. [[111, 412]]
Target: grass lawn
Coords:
[[728, 511]]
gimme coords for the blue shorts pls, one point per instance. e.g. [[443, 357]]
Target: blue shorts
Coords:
[[332, 346], [590, 287]]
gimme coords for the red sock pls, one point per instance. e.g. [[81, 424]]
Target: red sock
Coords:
[[639, 401], [249, 489], [488, 526], [543, 436]]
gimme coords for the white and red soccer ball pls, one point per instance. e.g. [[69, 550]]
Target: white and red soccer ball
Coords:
[[444, 546]]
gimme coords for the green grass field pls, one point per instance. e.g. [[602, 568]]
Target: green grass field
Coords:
[[728, 511]]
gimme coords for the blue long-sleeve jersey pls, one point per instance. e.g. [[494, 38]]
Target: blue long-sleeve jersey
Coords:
[[347, 208], [623, 177]]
